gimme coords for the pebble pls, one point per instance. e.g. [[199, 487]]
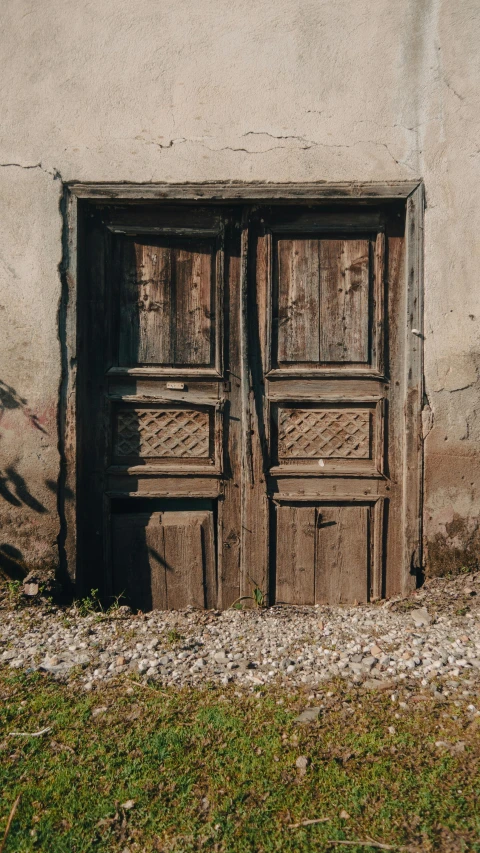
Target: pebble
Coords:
[[308, 716], [302, 763], [375, 646], [420, 617]]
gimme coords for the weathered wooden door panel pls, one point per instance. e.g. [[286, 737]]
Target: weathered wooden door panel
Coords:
[[295, 554], [167, 300], [326, 553], [323, 288], [250, 357], [327, 379], [155, 362], [342, 570], [164, 560]]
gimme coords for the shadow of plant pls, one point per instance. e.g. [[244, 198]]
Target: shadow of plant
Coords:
[[13, 488], [9, 399], [11, 562]]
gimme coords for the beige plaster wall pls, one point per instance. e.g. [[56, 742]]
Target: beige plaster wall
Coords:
[[178, 90]]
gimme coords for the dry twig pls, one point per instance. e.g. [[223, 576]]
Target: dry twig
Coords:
[[31, 734], [308, 822], [377, 844], [9, 822]]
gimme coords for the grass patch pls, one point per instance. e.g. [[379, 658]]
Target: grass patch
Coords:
[[214, 770]]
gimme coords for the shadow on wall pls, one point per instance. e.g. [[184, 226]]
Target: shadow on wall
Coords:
[[13, 488]]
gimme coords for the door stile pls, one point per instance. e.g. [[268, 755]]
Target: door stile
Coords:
[[412, 455], [255, 504], [229, 526], [246, 433]]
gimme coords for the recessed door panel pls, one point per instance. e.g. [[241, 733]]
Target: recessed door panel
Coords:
[[343, 564], [323, 293], [326, 553], [345, 275], [298, 277], [168, 300], [327, 302], [295, 555], [164, 560], [164, 434]]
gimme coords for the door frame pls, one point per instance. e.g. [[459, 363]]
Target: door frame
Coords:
[[77, 198]]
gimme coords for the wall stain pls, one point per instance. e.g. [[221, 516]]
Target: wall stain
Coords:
[[455, 551]]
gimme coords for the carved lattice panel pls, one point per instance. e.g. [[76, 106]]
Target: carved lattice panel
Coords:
[[320, 433], [172, 433]]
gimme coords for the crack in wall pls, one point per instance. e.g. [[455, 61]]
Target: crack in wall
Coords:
[[55, 174], [304, 144]]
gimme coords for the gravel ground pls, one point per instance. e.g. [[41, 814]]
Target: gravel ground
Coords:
[[429, 640]]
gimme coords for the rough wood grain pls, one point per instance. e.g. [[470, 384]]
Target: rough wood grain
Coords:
[[394, 423], [184, 560], [161, 483], [229, 534], [295, 574], [251, 191], [413, 361], [377, 556], [378, 307], [298, 275], [145, 334], [327, 389], [163, 560], [166, 307], [255, 519], [342, 555], [138, 560], [344, 319], [192, 319]]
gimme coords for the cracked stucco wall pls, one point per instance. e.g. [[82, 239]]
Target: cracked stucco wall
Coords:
[[276, 91]]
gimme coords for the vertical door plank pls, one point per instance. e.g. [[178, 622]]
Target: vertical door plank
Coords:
[[155, 541], [138, 560], [183, 560], [377, 553], [162, 560], [155, 304], [298, 300], [344, 323], [378, 330], [193, 310], [295, 582], [256, 260], [209, 562], [145, 334], [342, 555], [229, 508]]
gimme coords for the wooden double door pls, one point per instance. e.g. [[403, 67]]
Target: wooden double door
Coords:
[[240, 400]]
